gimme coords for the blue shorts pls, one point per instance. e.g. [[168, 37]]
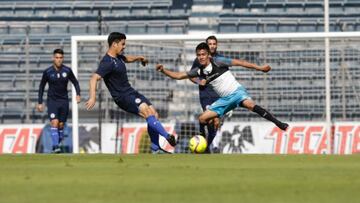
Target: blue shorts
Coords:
[[131, 102], [230, 102], [58, 109]]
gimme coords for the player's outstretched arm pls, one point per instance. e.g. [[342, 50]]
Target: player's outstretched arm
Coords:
[[171, 74], [239, 62], [75, 82], [131, 58], [92, 91], [43, 82]]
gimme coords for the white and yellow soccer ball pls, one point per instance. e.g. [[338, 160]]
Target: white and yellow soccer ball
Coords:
[[198, 144]]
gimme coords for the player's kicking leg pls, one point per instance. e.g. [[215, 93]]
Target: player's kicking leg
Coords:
[[250, 104], [155, 126]]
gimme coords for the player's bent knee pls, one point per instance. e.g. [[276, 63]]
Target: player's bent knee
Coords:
[[145, 111], [202, 120], [54, 123], [153, 112], [249, 104], [61, 125]]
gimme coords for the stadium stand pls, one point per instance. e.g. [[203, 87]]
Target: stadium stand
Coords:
[[287, 16]]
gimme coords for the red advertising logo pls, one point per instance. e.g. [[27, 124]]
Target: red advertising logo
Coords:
[[19, 139], [300, 139], [348, 139]]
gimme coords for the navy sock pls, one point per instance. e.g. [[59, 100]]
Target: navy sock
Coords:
[[267, 115], [154, 137], [54, 136], [61, 135], [211, 134], [202, 129], [156, 126]]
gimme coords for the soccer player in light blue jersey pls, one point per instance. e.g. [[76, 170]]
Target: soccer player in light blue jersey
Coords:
[[207, 94], [215, 72]]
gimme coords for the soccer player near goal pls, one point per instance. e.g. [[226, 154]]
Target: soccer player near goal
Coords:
[[207, 94], [112, 69], [216, 73], [58, 76]]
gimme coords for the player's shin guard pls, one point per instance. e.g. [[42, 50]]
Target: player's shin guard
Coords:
[[154, 137], [54, 136], [267, 115], [210, 137], [156, 126], [202, 129]]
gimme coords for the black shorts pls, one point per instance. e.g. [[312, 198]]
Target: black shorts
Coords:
[[131, 102], [58, 109]]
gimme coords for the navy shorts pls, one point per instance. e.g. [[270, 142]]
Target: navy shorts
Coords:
[[58, 109], [207, 101], [131, 102]]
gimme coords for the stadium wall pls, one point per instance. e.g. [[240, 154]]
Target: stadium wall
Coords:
[[234, 137]]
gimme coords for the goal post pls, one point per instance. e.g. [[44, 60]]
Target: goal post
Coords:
[[228, 43]]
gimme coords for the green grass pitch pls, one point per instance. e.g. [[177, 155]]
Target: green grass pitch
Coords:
[[179, 178]]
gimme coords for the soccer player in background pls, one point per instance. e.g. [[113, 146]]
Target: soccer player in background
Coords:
[[58, 76], [112, 69], [216, 73], [206, 93]]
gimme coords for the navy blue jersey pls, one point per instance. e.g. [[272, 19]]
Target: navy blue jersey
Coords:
[[113, 71], [58, 81], [207, 91]]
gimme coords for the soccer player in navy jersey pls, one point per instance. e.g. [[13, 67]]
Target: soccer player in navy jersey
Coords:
[[207, 94], [112, 69], [215, 72], [57, 76]]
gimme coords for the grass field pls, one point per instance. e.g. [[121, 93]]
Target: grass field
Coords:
[[179, 178]]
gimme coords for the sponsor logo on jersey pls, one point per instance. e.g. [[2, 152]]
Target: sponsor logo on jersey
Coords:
[[138, 100], [115, 62]]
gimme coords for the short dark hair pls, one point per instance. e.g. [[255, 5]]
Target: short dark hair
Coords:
[[211, 37], [58, 51], [201, 46], [115, 37]]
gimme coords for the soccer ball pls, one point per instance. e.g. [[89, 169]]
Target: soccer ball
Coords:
[[197, 144]]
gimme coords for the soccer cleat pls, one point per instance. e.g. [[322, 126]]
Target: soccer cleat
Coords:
[[283, 126], [56, 150], [216, 150], [172, 140]]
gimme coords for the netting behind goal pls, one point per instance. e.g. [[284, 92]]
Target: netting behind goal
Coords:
[[294, 90]]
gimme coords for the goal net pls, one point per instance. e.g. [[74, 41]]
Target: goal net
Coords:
[[294, 90]]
